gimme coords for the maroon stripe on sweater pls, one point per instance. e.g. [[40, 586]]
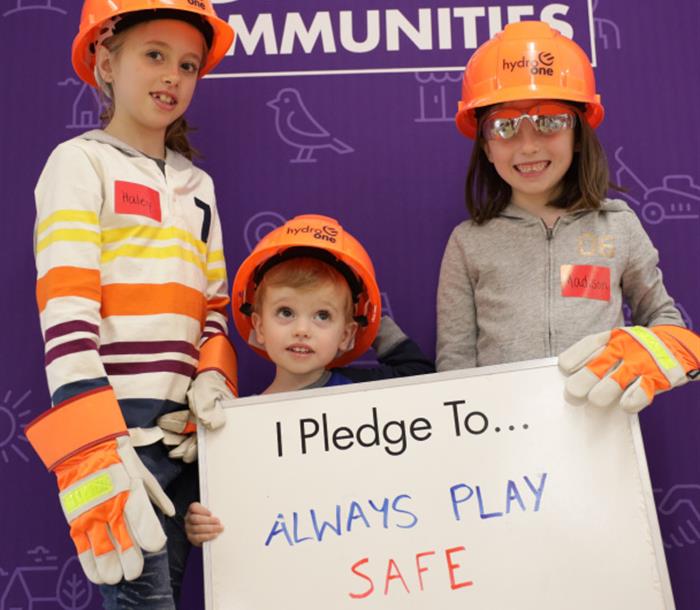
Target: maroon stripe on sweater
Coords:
[[158, 366], [69, 347], [148, 347], [74, 326], [215, 325]]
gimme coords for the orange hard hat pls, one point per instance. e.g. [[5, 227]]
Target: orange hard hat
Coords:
[[96, 13], [316, 236], [527, 60]]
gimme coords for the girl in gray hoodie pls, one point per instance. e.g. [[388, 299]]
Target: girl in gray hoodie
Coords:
[[546, 258]]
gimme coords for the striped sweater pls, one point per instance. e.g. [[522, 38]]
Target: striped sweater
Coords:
[[131, 273]]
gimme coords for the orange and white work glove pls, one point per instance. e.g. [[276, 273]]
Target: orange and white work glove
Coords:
[[629, 366], [216, 380], [104, 487]]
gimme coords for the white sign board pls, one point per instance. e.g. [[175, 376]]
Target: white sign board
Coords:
[[477, 489]]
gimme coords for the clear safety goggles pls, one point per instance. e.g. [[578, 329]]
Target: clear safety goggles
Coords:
[[546, 118]]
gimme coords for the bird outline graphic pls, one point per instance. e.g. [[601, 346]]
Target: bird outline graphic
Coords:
[[297, 127]]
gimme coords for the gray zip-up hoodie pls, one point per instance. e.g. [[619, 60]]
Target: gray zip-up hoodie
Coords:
[[513, 289]]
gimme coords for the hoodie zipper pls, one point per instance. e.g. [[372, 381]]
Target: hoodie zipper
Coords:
[[549, 292]]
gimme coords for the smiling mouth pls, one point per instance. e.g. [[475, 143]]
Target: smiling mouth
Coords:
[[298, 349], [164, 98], [531, 168]]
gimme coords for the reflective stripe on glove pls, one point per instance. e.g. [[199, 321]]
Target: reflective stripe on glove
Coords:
[[629, 366], [104, 486]]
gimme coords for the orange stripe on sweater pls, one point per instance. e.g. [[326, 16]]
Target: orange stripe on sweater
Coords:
[[152, 299], [68, 282]]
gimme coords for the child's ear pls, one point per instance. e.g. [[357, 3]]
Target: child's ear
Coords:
[[103, 62], [257, 328], [348, 339]]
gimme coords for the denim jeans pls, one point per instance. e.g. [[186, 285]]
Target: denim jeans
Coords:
[[158, 587]]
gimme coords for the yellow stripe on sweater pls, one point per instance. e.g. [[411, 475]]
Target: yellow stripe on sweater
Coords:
[[216, 274], [68, 216], [215, 256], [74, 235], [150, 252], [113, 236]]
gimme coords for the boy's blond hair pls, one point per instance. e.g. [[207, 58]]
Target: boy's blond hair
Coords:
[[305, 273]]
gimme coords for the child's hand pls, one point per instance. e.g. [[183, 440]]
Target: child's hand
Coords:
[[201, 525]]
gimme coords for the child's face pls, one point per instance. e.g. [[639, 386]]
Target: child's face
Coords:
[[303, 330], [532, 163], [153, 73]]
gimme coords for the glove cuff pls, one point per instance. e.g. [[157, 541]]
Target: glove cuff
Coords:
[[218, 354], [75, 425], [685, 344]]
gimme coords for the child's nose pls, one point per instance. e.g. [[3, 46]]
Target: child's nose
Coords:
[[529, 136], [302, 328], [171, 76]]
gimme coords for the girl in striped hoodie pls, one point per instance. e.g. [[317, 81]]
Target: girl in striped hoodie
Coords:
[[132, 294]]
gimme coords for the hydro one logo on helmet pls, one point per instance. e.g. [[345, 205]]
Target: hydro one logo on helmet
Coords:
[[325, 233], [540, 66]]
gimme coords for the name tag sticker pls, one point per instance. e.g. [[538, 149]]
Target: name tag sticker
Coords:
[[133, 198], [585, 281]]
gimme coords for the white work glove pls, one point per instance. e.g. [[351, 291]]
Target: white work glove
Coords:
[[180, 434], [207, 391]]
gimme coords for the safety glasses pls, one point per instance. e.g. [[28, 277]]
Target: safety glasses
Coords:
[[546, 118]]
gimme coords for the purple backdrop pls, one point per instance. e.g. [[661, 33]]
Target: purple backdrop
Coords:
[[393, 175]]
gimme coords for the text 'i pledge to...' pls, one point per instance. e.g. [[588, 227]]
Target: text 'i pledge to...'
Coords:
[[313, 435]]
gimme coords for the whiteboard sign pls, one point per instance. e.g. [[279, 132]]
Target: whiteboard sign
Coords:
[[477, 489]]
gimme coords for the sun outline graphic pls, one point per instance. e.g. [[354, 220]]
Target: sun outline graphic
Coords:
[[15, 426]]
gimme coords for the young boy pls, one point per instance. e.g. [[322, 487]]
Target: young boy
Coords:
[[307, 299]]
